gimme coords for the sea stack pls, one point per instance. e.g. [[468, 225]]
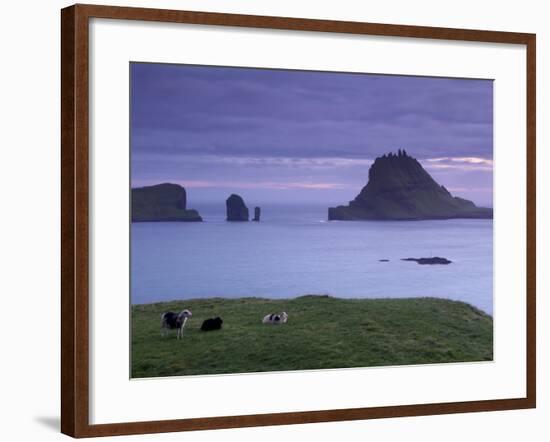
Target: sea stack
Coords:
[[236, 208], [399, 188], [162, 202], [257, 212]]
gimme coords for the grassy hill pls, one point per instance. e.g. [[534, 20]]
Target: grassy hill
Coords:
[[322, 332]]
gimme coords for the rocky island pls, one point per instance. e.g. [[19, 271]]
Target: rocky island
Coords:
[[399, 188], [236, 208], [429, 261], [162, 202]]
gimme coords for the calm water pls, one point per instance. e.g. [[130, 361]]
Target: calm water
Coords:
[[295, 251]]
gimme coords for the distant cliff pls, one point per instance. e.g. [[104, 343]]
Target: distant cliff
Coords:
[[400, 189], [236, 208], [162, 202]]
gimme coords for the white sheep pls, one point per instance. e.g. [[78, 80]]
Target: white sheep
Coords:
[[275, 318]]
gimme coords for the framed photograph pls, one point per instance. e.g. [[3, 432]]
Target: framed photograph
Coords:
[[272, 221]]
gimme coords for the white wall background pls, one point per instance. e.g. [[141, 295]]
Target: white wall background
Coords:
[[29, 217]]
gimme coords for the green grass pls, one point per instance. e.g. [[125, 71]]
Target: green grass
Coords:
[[322, 332]]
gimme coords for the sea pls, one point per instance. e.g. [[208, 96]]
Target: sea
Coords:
[[295, 251]]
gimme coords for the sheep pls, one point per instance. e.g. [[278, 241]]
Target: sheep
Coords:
[[212, 324], [275, 318], [171, 320]]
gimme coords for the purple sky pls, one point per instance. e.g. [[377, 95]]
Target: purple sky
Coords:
[[273, 135]]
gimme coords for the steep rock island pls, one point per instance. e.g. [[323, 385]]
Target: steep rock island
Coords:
[[162, 202], [400, 189], [236, 208]]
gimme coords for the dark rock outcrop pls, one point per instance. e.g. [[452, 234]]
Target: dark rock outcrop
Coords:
[[162, 202], [399, 188], [434, 260], [257, 212], [236, 208]]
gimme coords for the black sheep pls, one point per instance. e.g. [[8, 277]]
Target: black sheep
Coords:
[[212, 324]]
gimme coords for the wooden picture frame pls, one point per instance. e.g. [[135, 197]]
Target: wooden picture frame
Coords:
[[75, 219]]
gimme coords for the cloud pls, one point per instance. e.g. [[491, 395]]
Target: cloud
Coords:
[[468, 160], [303, 130], [273, 112], [257, 161], [459, 163], [318, 163], [198, 184], [471, 189]]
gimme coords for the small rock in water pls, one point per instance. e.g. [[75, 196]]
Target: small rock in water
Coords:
[[257, 212], [434, 260]]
